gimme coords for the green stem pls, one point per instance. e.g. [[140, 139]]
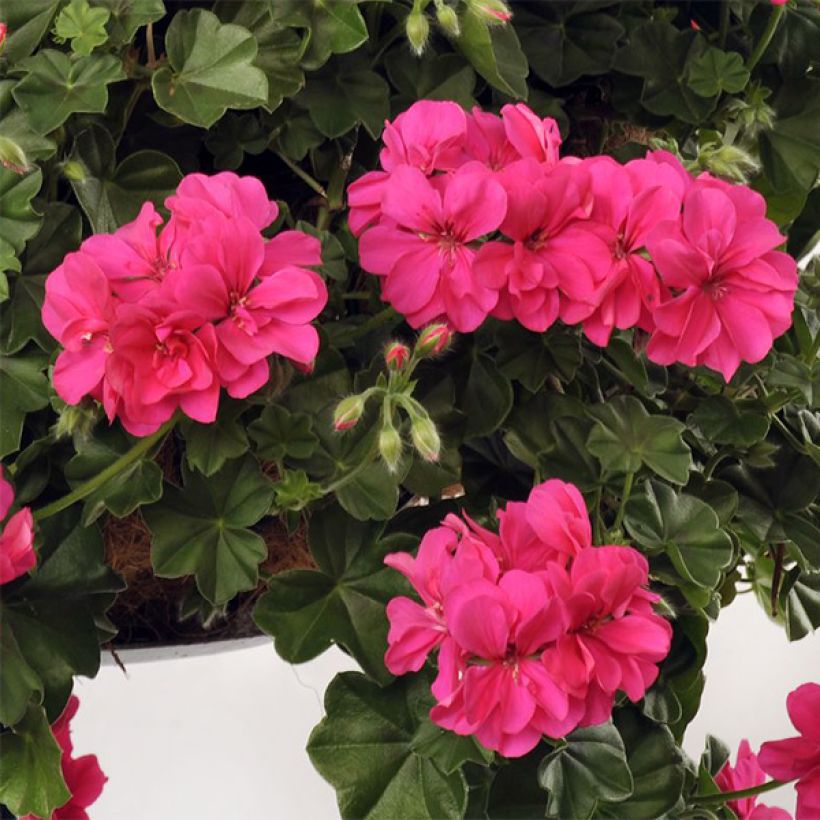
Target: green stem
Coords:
[[109, 473], [724, 22], [301, 173], [619, 518], [811, 356], [766, 37], [713, 462], [349, 476], [723, 797]]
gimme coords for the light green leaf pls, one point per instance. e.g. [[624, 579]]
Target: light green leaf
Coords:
[[83, 25], [364, 748], [129, 15], [626, 436], [31, 778], [495, 53], [110, 194], [55, 86], [211, 69], [201, 529], [589, 767], [341, 602], [686, 528], [715, 71], [371, 494]]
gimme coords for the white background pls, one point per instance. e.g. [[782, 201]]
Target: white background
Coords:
[[222, 736]]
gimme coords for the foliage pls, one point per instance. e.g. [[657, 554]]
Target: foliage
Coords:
[[105, 104]]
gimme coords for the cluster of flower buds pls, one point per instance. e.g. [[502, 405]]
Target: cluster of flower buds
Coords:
[[448, 18], [395, 393]]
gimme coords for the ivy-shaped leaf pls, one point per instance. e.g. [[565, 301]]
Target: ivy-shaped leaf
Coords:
[[126, 16], [140, 483], [364, 748], [209, 446], [83, 25], [801, 595], [53, 614], [686, 528], [562, 46], [16, 129], [210, 69], [202, 529], [55, 86], [27, 21], [715, 71], [18, 219], [659, 53], [495, 53], [723, 421], [431, 77], [31, 778], [448, 750], [278, 433], [23, 389], [625, 436], [342, 602], [19, 683], [589, 766], [488, 395], [111, 194]]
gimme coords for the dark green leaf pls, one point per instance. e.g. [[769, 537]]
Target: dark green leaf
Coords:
[[448, 750], [31, 779], [488, 396], [18, 219], [201, 529], [21, 316], [15, 126], [278, 433], [626, 436], [23, 389], [341, 602], [209, 446], [714, 71], [530, 358], [129, 15], [112, 195], [363, 748], [211, 69], [55, 87], [723, 421], [515, 793], [591, 766], [27, 21], [801, 592], [431, 77], [61, 232], [806, 537], [19, 683], [686, 528]]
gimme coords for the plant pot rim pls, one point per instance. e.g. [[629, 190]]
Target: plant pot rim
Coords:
[[147, 653]]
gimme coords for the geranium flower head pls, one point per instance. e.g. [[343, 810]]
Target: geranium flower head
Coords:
[[798, 758]]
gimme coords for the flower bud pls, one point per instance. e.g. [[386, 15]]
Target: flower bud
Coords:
[[425, 437], [3, 32], [418, 30], [491, 12], [390, 446], [728, 161], [433, 339], [397, 355], [348, 412], [73, 170], [76, 421], [12, 156], [448, 20]]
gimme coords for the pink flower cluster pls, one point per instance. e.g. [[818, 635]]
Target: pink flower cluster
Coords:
[[83, 775], [536, 629], [746, 774], [158, 317], [17, 555], [474, 215]]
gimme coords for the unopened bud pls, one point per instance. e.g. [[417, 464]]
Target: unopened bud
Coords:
[[397, 355], [425, 437], [76, 421], [492, 12], [448, 20], [433, 339], [4, 29], [390, 447], [348, 412], [729, 161], [12, 156], [74, 171], [418, 30]]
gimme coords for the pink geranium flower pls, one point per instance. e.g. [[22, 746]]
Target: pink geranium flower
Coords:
[[554, 263], [731, 293], [613, 639], [629, 201], [17, 555], [745, 774], [798, 758], [423, 248], [252, 321], [83, 775], [504, 695]]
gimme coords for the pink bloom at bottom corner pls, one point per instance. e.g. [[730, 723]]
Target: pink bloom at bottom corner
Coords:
[[83, 775], [745, 774], [798, 758]]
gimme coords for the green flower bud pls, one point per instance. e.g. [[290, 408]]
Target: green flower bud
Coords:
[[12, 156], [73, 170], [390, 447], [418, 30], [448, 20], [425, 437], [729, 162], [348, 412], [490, 12], [76, 421]]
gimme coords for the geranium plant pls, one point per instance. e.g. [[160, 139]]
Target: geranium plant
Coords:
[[469, 338]]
